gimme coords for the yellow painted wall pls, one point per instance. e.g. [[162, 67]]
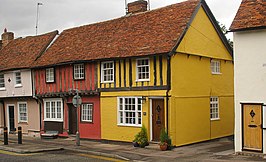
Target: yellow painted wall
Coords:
[[202, 39], [136, 83], [109, 128], [190, 99], [192, 85]]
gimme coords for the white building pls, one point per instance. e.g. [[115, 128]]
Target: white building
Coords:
[[249, 27]]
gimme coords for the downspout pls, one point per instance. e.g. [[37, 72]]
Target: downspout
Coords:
[[4, 111], [168, 89], [39, 101]]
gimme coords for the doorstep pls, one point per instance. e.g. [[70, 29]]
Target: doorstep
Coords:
[[251, 153]]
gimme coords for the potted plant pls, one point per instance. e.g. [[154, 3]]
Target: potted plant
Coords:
[[136, 139], [141, 139], [165, 141]]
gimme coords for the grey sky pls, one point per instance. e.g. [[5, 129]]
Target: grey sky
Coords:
[[19, 16]]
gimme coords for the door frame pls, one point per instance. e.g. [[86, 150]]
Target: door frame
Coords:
[[150, 100], [8, 123], [242, 124]]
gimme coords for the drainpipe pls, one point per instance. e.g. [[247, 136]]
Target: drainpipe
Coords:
[[4, 111], [168, 89], [39, 101]]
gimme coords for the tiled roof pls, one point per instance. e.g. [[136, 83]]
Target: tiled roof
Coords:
[[251, 14], [146, 33], [22, 52]]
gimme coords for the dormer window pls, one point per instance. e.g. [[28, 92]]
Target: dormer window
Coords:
[[18, 79], [50, 75], [79, 71]]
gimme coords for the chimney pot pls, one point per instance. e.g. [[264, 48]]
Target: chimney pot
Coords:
[[137, 6], [5, 30]]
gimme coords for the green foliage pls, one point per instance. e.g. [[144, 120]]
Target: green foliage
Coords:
[[142, 137], [164, 138], [225, 31]]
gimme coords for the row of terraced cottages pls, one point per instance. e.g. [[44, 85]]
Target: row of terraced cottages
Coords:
[[170, 67]]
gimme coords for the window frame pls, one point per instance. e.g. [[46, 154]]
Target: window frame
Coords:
[[137, 69], [215, 66], [136, 111], [15, 78], [48, 75], [79, 71], [102, 71], [214, 110], [19, 113], [55, 100], [2, 79], [92, 112]]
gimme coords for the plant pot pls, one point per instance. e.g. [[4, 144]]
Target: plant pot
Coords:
[[163, 147], [135, 144]]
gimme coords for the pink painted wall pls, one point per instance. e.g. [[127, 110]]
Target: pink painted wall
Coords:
[[33, 122], [11, 90]]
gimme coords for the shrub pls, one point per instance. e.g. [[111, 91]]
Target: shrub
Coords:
[[142, 137], [165, 139]]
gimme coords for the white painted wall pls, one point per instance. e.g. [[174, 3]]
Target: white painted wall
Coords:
[[250, 75], [12, 91]]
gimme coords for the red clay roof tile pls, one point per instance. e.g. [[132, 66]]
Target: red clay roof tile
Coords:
[[22, 52], [251, 14], [150, 32]]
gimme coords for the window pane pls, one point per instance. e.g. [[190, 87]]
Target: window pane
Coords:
[[18, 78], [23, 112], [87, 112], [214, 108], [107, 71], [53, 109], [79, 71], [131, 114], [47, 109], [143, 69], [58, 109]]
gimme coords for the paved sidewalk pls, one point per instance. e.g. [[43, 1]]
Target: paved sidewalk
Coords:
[[216, 150]]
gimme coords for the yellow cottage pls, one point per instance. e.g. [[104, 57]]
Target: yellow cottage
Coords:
[[170, 67]]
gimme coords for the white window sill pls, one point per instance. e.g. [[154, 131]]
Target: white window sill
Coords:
[[86, 121], [107, 82], [18, 85], [78, 78], [49, 81], [142, 80], [216, 73], [2, 89], [215, 119], [53, 120], [128, 125]]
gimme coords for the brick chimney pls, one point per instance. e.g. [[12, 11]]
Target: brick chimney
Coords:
[[7, 37], [137, 6]]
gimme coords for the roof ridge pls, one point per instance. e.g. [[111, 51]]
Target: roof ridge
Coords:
[[157, 30], [132, 15]]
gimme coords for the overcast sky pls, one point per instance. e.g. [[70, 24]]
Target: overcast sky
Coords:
[[19, 16]]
